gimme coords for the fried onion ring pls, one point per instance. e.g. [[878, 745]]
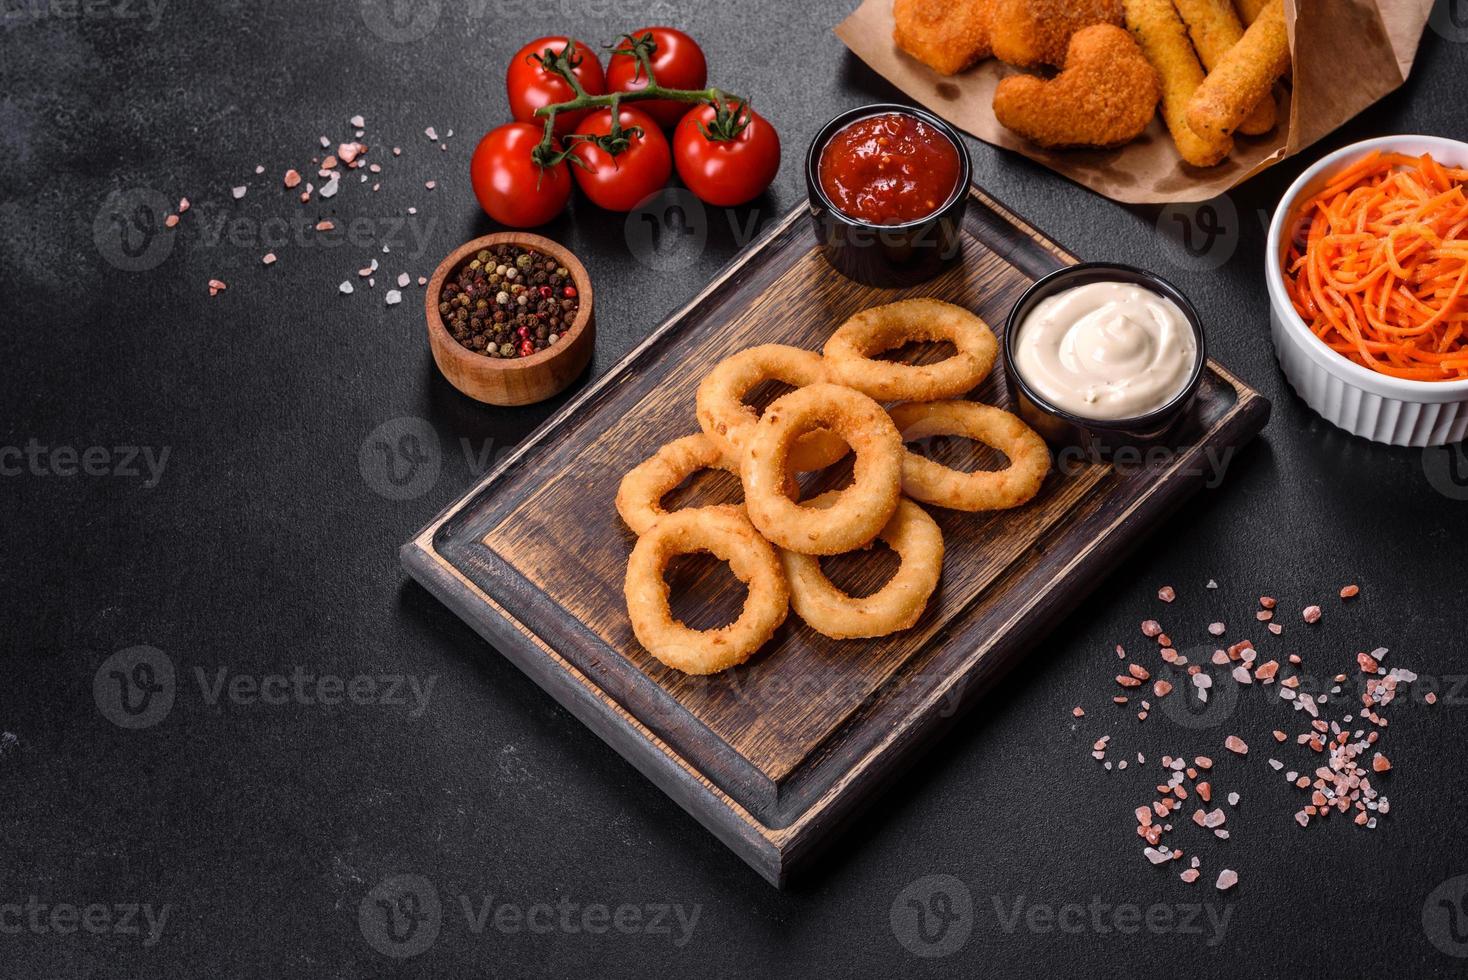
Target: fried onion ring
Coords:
[[727, 535], [934, 483], [895, 606], [862, 509], [851, 352], [639, 497], [729, 421]]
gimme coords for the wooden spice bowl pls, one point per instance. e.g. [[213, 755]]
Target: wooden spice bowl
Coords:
[[512, 380]]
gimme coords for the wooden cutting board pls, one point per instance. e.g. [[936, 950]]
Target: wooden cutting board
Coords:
[[774, 756]]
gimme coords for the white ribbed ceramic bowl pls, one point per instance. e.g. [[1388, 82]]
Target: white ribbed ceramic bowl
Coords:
[[1378, 407]]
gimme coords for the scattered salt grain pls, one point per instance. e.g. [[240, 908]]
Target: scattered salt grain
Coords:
[[394, 297], [357, 122], [404, 279], [1217, 629], [239, 192], [345, 287], [1227, 879], [183, 205], [430, 184], [1167, 593], [269, 258], [1311, 614], [1212, 584], [216, 286], [1233, 799], [170, 221], [292, 178], [1236, 745], [431, 133]]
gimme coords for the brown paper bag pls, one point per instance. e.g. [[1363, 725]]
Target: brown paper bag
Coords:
[[1354, 52]]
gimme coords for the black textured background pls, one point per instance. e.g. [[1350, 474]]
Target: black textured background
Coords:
[[266, 544]]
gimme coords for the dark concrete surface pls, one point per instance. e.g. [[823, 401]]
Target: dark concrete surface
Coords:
[[224, 831]]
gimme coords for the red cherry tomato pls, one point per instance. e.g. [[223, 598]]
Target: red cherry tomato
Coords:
[[623, 181], [677, 62], [512, 188], [726, 172], [530, 85]]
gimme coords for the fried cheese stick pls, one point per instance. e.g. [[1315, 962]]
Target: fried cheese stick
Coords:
[[1158, 29], [1249, 9], [1215, 28], [1245, 76]]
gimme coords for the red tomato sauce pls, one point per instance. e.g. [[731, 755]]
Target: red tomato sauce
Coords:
[[889, 169]]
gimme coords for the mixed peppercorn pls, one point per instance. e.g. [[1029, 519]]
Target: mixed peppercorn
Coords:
[[509, 301]]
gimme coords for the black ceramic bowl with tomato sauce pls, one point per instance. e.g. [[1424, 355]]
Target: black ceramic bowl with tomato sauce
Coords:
[[906, 226]]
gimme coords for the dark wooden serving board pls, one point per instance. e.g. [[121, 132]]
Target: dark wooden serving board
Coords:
[[774, 756]]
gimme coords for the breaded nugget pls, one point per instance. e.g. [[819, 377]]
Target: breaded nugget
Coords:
[[1037, 32], [1164, 39], [946, 35], [1106, 94], [1245, 75], [1249, 10], [1215, 28]]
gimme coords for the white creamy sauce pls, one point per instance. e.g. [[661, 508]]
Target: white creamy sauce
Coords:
[[1106, 350]]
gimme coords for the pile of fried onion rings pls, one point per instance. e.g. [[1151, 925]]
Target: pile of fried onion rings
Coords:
[[773, 541]]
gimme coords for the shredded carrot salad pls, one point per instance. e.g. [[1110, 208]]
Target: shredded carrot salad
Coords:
[[1378, 264]]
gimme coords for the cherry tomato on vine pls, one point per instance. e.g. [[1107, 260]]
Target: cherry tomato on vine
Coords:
[[622, 181], [512, 188], [531, 85], [677, 62], [731, 170]]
